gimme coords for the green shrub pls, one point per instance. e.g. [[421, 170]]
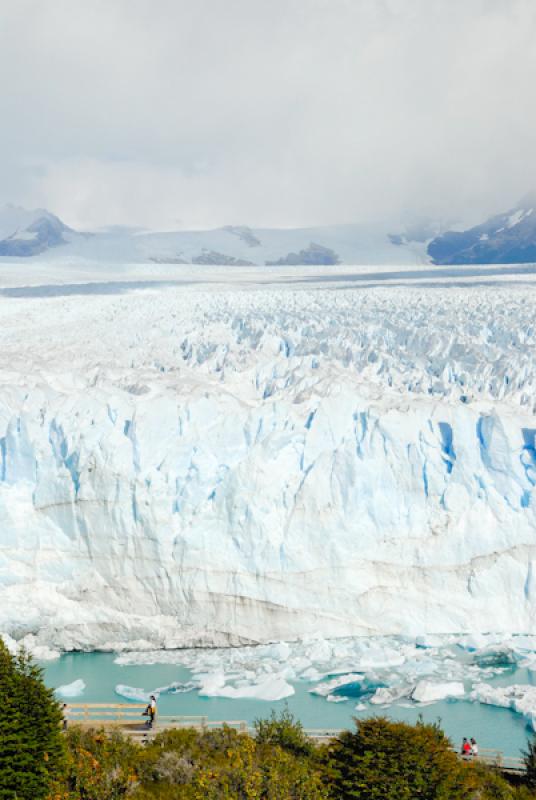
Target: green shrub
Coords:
[[284, 731], [385, 760], [224, 764], [529, 757], [31, 746]]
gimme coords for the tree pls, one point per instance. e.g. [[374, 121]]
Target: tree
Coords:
[[31, 747], [385, 760], [529, 757], [284, 731]]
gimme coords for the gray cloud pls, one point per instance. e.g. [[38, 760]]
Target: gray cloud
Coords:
[[171, 113]]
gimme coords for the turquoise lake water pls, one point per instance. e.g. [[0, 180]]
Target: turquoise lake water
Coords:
[[492, 727]]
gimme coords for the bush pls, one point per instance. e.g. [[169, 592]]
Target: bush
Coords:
[[284, 731], [31, 746], [222, 763], [529, 757], [100, 766], [385, 760]]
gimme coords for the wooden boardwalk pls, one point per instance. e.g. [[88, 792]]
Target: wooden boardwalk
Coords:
[[128, 718]]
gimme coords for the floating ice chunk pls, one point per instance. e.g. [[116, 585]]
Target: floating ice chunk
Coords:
[[380, 658], [135, 693], [361, 707], [326, 688], [385, 695], [311, 674], [178, 687], [132, 693], [74, 689], [336, 698], [430, 692], [210, 683], [271, 688], [495, 656], [521, 698]]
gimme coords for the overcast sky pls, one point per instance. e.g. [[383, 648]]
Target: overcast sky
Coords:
[[193, 113]]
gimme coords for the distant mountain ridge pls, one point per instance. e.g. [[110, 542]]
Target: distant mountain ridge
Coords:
[[29, 234], [508, 238]]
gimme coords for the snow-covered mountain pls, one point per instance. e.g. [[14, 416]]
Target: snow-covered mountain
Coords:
[[26, 234], [508, 238], [215, 465], [30, 233]]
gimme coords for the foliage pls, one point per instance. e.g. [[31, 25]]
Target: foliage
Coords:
[[225, 764], [487, 783], [385, 760], [100, 766], [285, 731], [380, 760], [529, 757], [31, 746]]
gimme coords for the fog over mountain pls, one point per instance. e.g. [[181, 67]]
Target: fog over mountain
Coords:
[[288, 114]]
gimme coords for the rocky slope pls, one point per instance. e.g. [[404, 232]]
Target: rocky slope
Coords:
[[508, 238]]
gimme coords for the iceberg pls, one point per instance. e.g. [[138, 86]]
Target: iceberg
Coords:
[[74, 689], [204, 466], [385, 696], [327, 688], [271, 688], [519, 697], [132, 693], [431, 692], [143, 696]]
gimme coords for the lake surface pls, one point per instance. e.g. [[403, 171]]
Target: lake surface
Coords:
[[492, 727]]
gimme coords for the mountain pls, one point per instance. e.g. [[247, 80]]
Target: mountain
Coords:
[[314, 255], [508, 238], [28, 233]]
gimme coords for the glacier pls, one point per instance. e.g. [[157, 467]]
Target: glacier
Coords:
[[248, 462]]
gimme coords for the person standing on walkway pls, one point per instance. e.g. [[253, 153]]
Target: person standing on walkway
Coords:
[[474, 748], [152, 710]]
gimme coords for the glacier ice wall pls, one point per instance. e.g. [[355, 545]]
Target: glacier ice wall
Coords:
[[215, 468]]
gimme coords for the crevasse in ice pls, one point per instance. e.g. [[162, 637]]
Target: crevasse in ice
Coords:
[[203, 468]]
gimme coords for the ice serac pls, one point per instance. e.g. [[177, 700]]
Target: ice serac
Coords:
[[190, 468]]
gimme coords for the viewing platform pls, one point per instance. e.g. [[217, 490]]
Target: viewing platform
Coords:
[[129, 719]]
